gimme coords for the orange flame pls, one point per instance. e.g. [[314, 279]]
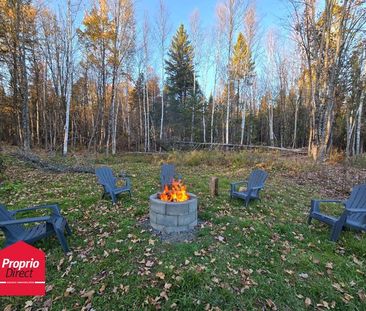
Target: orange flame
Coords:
[[176, 192]]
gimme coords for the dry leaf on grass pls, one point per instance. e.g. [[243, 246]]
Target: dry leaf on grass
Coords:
[[160, 275]]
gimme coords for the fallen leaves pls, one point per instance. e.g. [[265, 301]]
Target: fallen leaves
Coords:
[[290, 272], [307, 302], [220, 238], [356, 260], [215, 280], [60, 263], [69, 290], [220, 258], [28, 305], [149, 263], [88, 295], [338, 287], [361, 294], [124, 288], [160, 275], [304, 275], [164, 295], [8, 308], [102, 289], [167, 286], [347, 298], [271, 304]]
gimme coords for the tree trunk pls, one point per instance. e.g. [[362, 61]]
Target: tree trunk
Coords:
[[145, 115], [213, 108], [25, 103], [162, 94], [111, 110], [204, 121], [148, 116], [243, 112], [68, 77], [227, 113], [359, 124], [294, 138], [193, 105], [270, 120]]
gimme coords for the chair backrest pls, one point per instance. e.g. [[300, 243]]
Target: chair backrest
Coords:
[[357, 200], [257, 178], [105, 176], [167, 174], [11, 231]]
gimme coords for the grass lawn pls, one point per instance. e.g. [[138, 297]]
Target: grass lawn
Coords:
[[263, 257]]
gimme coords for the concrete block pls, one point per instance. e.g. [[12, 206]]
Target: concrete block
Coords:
[[177, 209], [185, 220], [152, 216], [157, 227], [167, 220], [158, 208], [193, 207]]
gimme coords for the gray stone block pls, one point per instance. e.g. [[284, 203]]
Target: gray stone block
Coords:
[[167, 220], [157, 227], [176, 229], [158, 208], [177, 209], [193, 207], [152, 216], [193, 224], [185, 220]]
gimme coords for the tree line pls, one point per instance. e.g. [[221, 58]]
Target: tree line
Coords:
[[112, 83]]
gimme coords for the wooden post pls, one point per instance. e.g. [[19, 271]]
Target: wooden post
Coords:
[[214, 186]]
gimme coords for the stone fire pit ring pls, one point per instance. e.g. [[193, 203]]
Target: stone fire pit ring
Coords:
[[170, 217]]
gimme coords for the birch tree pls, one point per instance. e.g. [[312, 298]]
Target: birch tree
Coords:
[[230, 14], [121, 48], [69, 74], [197, 40], [324, 42], [162, 33], [17, 23], [243, 72]]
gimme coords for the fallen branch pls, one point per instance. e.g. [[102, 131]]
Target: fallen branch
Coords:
[[37, 162], [237, 146]]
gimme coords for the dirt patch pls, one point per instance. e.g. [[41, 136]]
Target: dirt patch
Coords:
[[330, 180]]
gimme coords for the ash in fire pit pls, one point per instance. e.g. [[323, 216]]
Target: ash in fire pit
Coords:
[[173, 210]]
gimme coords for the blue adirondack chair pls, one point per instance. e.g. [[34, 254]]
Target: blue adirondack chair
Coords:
[[108, 181], [353, 217], [54, 224], [255, 183], [168, 174]]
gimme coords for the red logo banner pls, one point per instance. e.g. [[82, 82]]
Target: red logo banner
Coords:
[[22, 270]]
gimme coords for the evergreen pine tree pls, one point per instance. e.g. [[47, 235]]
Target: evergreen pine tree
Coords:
[[179, 67]]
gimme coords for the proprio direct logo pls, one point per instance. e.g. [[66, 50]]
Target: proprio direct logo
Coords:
[[22, 270], [19, 268]]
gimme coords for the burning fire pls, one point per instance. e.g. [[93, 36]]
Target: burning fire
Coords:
[[176, 192]]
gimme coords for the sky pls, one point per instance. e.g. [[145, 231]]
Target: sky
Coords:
[[272, 14]]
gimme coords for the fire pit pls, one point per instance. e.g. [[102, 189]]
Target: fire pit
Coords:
[[173, 210]]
